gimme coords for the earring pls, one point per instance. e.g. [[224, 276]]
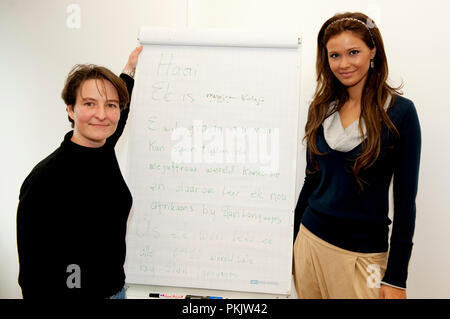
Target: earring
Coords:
[[372, 64]]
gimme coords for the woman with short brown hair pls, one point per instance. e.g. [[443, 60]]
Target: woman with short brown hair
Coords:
[[74, 205]]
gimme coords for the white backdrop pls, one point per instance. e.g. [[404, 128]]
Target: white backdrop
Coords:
[[42, 40]]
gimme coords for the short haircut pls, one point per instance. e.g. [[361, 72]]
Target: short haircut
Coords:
[[83, 72]]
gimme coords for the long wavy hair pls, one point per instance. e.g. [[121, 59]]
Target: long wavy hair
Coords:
[[329, 89]]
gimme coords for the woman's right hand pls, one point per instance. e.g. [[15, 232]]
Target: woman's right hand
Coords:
[[133, 59]]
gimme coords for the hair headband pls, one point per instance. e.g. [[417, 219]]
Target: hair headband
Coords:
[[356, 20]]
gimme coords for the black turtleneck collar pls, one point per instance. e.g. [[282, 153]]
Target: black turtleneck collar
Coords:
[[70, 145]]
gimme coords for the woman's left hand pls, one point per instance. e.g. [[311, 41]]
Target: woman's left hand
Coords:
[[388, 292], [133, 59]]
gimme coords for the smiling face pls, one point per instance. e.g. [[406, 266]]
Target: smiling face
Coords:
[[349, 58], [96, 113]]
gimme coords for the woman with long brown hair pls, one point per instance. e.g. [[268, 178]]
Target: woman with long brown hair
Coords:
[[360, 133]]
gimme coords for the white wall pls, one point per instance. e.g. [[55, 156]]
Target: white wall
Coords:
[[38, 49]]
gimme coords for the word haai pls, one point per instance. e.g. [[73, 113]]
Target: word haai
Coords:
[[230, 145]]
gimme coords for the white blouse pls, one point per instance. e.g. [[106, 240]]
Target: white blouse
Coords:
[[344, 140]]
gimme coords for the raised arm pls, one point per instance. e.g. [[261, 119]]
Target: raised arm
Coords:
[[126, 75]]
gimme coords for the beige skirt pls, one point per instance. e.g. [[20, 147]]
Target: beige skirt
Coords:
[[322, 270]]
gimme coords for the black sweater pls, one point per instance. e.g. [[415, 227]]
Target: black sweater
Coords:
[[333, 207], [73, 210]]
